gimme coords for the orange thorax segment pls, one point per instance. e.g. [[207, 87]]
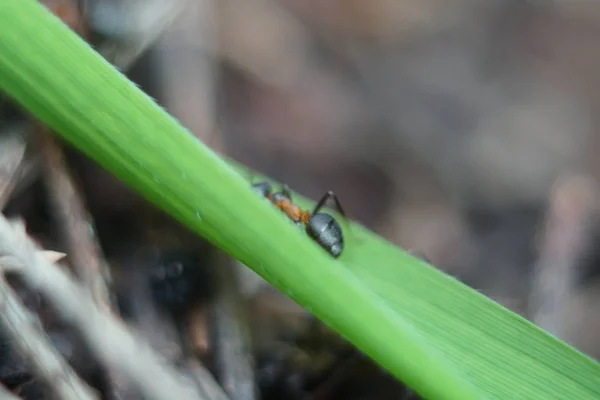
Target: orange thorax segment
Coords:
[[293, 212]]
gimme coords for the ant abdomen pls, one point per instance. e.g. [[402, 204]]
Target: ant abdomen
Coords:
[[326, 231]]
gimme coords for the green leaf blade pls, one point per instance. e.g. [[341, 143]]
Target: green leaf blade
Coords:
[[501, 353], [443, 339], [466, 327]]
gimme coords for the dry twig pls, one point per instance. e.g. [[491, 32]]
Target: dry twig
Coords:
[[565, 237], [76, 225], [145, 20], [6, 395], [12, 151], [46, 362], [10, 264], [108, 338], [13, 165], [233, 349], [205, 382], [186, 71]]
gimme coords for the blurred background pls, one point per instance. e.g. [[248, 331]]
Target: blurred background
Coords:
[[465, 130]]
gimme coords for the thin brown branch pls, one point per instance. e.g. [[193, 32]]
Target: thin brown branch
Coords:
[[184, 56], [69, 12], [206, 383], [12, 152], [145, 20], [77, 227], [46, 362], [235, 363], [566, 233], [109, 339], [11, 264], [28, 172]]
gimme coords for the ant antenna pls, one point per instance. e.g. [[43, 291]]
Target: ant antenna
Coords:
[[327, 196], [285, 190]]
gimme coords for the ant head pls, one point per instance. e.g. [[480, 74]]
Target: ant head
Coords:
[[262, 188], [326, 231]]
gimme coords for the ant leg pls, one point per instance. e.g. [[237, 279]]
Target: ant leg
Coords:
[[323, 201], [285, 190]]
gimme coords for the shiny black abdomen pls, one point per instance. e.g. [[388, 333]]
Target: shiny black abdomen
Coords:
[[326, 231]]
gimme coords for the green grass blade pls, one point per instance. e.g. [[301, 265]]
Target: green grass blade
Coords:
[[443, 339], [504, 355], [58, 77]]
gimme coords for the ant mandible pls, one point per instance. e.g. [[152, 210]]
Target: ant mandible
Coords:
[[321, 227]]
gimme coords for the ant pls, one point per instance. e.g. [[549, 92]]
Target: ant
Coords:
[[321, 227]]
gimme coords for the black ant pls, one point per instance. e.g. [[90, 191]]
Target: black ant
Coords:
[[321, 227]]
